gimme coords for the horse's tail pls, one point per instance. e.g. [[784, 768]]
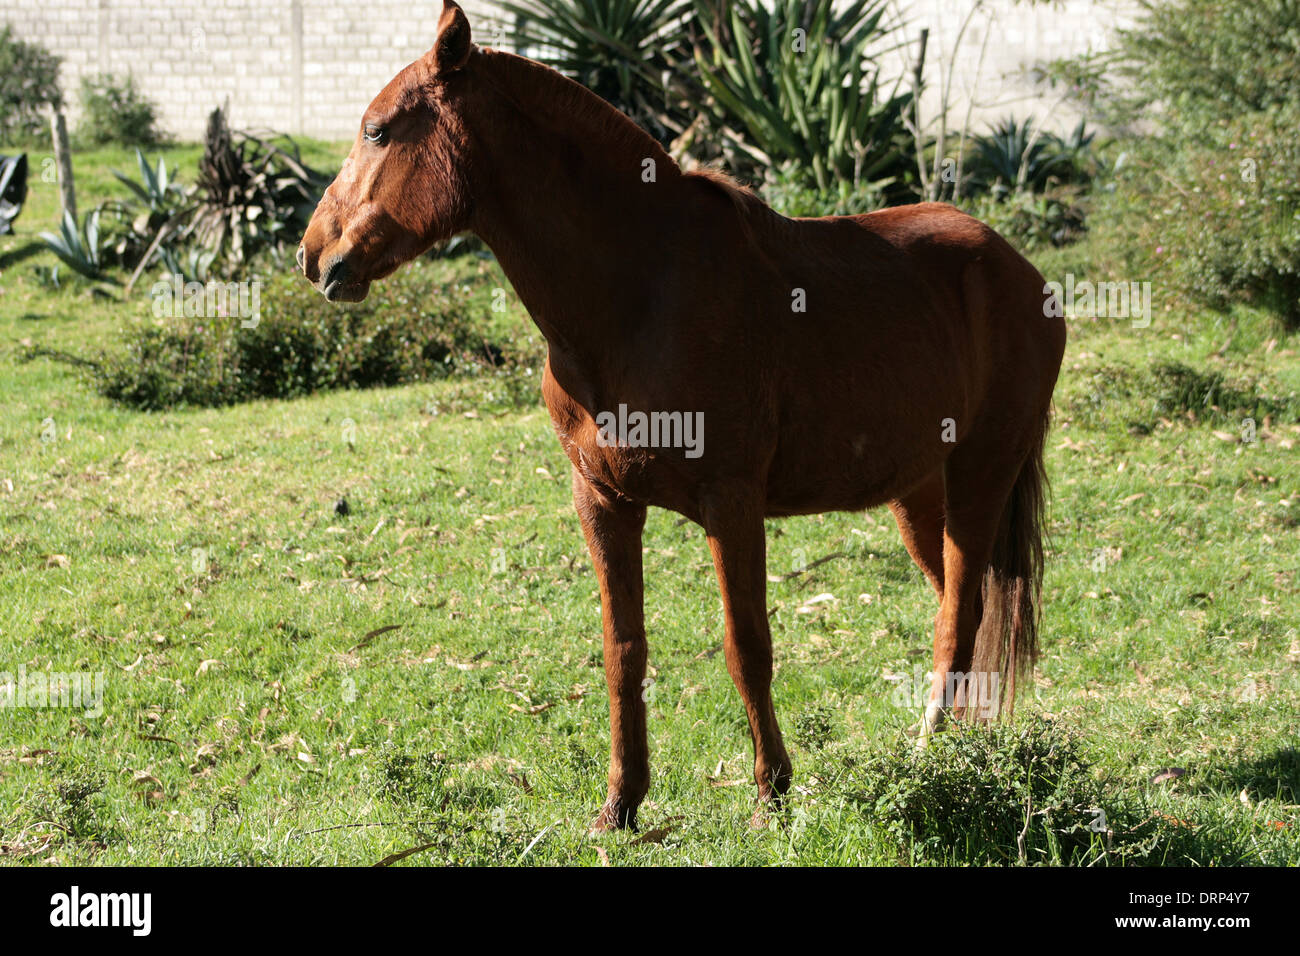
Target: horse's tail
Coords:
[[1007, 642]]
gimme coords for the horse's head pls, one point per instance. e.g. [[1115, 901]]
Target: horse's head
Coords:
[[400, 189]]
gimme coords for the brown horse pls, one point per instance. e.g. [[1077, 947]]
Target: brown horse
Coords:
[[905, 357]]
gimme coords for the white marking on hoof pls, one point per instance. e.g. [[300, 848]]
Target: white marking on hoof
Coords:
[[933, 721]]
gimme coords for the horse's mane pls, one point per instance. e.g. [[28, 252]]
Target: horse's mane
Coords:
[[558, 100], [747, 202]]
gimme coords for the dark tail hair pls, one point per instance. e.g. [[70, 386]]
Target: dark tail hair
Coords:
[[1007, 641]]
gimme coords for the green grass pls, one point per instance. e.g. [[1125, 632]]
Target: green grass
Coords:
[[256, 713]]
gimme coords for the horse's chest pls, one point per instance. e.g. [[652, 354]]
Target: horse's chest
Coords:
[[614, 469], [619, 453]]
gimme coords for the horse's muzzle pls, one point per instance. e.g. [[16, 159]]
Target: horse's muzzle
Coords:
[[336, 274], [338, 284]]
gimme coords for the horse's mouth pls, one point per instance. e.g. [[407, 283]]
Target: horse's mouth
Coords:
[[343, 291], [339, 284]]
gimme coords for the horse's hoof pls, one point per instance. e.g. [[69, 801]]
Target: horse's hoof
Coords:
[[763, 816], [933, 721], [769, 808], [612, 817]]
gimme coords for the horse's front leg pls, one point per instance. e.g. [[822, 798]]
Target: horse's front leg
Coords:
[[613, 531], [737, 539]]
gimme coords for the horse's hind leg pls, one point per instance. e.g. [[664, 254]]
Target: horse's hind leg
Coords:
[[733, 521], [919, 514], [978, 484]]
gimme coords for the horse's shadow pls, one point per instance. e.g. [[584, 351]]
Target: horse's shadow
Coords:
[[15, 256], [1275, 775]]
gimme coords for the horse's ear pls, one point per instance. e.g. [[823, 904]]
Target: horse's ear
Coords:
[[451, 49]]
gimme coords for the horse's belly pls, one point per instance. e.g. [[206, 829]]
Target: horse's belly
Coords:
[[848, 472]]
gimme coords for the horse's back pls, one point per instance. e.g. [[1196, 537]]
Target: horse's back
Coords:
[[914, 317], [931, 275]]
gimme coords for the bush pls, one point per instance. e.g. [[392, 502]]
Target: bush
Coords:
[[409, 329], [1219, 217], [1032, 222], [788, 191], [115, 111], [29, 84], [1179, 389], [1011, 793], [1210, 203], [1031, 186], [1197, 61], [1141, 397]]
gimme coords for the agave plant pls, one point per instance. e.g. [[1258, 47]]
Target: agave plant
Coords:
[[78, 246], [155, 189], [1016, 156], [135, 222], [194, 266], [795, 86], [1081, 162], [13, 189], [625, 51], [250, 193]]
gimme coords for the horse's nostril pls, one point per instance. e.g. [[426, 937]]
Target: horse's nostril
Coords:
[[302, 258]]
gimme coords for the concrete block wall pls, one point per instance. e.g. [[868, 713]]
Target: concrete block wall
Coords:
[[311, 66], [298, 66], [1011, 36]]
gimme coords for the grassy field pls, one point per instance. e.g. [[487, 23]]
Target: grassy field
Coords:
[[287, 685]]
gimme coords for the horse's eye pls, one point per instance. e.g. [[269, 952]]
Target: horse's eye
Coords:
[[373, 134]]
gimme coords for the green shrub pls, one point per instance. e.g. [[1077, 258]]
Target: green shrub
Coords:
[[1010, 793], [29, 84], [1178, 389], [115, 111], [1197, 61], [1030, 221], [1141, 397], [789, 192], [1209, 200], [1218, 217], [409, 329], [1030, 185]]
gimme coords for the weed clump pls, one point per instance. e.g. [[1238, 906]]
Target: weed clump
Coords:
[[1004, 794]]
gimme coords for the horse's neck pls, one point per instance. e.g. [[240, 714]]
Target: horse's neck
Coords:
[[561, 199]]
